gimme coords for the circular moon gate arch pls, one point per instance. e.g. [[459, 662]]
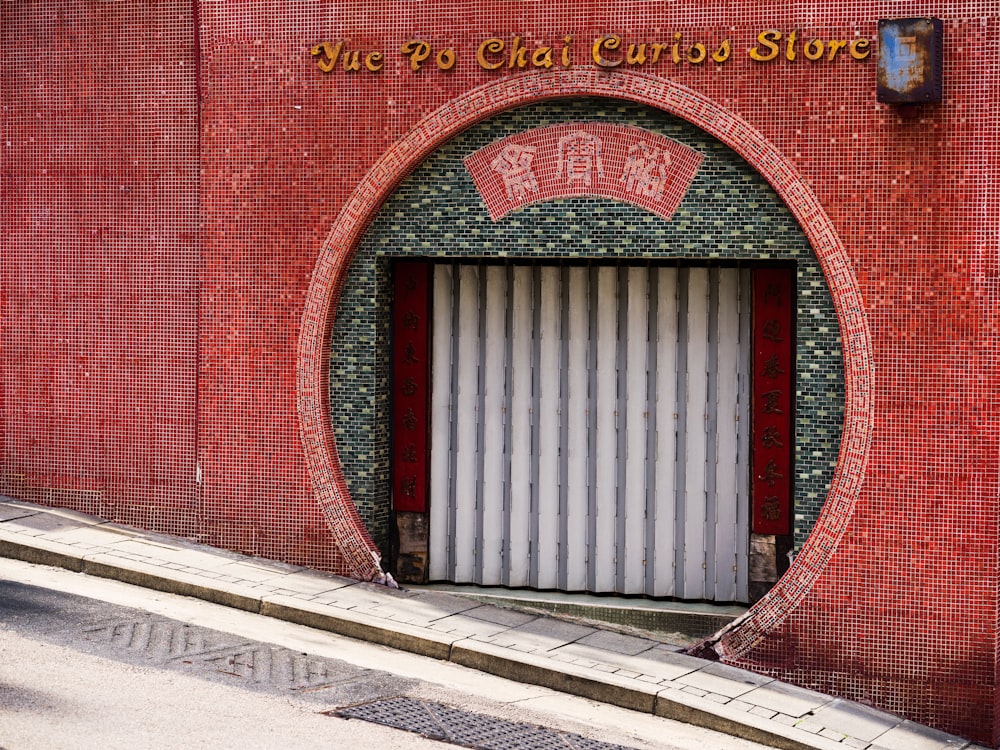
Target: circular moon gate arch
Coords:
[[323, 464]]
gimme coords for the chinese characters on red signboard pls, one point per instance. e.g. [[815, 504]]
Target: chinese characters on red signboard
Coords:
[[409, 386], [773, 367]]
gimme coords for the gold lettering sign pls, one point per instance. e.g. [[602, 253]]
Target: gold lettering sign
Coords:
[[605, 51]]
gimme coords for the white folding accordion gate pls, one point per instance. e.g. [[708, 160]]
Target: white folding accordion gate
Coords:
[[590, 428]]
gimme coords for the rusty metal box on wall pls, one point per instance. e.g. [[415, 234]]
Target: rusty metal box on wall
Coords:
[[909, 60]]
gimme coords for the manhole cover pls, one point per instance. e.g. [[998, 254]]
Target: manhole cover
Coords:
[[439, 722]]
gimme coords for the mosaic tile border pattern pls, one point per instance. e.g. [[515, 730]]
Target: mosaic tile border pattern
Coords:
[[333, 264]]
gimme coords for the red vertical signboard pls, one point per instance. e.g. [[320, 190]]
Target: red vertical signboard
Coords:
[[773, 398], [410, 360]]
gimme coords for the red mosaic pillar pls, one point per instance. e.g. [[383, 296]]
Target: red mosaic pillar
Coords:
[[773, 400]]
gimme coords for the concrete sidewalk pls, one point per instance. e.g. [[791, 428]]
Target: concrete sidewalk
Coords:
[[636, 673]]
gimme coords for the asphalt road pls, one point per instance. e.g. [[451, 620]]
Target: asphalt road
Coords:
[[91, 663]]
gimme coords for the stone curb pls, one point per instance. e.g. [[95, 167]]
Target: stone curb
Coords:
[[535, 671], [358, 626]]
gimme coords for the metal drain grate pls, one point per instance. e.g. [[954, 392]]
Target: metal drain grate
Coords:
[[439, 722]]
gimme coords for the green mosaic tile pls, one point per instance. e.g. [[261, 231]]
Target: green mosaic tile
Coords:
[[729, 214]]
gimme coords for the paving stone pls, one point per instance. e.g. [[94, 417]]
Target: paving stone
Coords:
[[539, 669], [8, 512], [500, 616], [855, 720], [417, 610], [359, 624], [502, 640], [153, 576], [723, 679], [618, 643], [676, 704], [789, 699], [546, 634], [661, 661], [470, 627], [911, 736], [808, 724], [42, 524], [765, 712], [93, 535], [149, 549], [39, 551], [254, 573], [831, 735]]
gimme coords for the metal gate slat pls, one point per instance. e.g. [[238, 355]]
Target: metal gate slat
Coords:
[[667, 413], [743, 450], [727, 437], [492, 421], [480, 425], [593, 307], [441, 536], [681, 463], [712, 432], [632, 549], [621, 426], [520, 417], [606, 459], [563, 436], [534, 556], [467, 449], [549, 345], [578, 436], [695, 448], [508, 431]]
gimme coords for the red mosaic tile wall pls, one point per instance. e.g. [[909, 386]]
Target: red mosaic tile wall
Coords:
[[182, 187], [99, 260]]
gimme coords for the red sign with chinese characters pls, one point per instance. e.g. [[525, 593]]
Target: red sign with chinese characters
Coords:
[[614, 161], [773, 390], [410, 360]]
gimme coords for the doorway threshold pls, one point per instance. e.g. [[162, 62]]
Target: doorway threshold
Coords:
[[676, 622]]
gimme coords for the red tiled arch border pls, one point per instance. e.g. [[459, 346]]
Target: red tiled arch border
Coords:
[[355, 544]]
